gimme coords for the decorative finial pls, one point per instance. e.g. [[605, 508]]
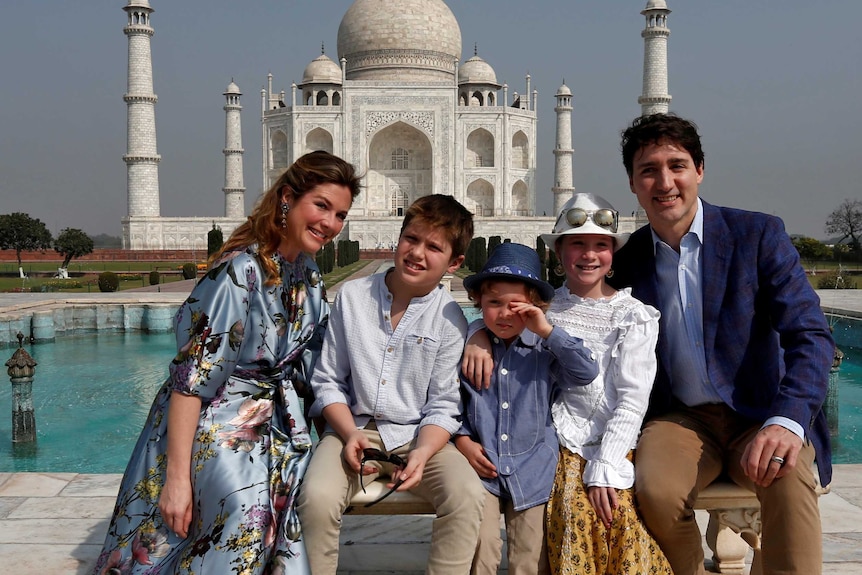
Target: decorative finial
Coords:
[[322, 52], [20, 337], [475, 48]]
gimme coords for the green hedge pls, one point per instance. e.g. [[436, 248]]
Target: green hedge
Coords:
[[109, 282]]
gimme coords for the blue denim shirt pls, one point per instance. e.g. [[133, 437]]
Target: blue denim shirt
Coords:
[[512, 418]]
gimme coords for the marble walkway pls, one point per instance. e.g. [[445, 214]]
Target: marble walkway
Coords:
[[55, 523]]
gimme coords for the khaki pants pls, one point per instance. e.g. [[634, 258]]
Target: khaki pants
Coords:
[[525, 539], [682, 452], [448, 482]]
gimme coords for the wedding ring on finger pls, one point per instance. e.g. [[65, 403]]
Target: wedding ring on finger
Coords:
[[778, 460]]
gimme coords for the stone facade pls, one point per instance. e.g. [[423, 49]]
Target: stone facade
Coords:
[[142, 158], [234, 190], [164, 233], [655, 99], [397, 105], [401, 109]]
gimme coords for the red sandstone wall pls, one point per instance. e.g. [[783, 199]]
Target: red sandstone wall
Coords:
[[101, 255]]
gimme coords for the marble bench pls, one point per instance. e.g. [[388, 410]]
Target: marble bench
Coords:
[[734, 519]]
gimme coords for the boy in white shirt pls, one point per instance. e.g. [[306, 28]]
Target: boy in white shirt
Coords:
[[387, 384]]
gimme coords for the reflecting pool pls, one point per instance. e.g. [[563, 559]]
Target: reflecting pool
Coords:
[[92, 393]]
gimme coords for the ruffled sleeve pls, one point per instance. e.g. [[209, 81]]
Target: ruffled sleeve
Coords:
[[631, 374], [211, 324]]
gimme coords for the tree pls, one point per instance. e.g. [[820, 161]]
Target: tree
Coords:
[[215, 239], [810, 249], [846, 220], [72, 243], [493, 242], [20, 232]]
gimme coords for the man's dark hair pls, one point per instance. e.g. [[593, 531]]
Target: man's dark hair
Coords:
[[656, 128]]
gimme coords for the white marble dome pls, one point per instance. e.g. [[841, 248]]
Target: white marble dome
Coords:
[[413, 40], [656, 5], [477, 71], [232, 88], [322, 70]]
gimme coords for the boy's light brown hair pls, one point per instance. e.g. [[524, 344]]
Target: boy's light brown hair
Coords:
[[475, 295], [446, 214]]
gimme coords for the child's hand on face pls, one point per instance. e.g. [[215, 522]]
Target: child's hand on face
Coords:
[[533, 317]]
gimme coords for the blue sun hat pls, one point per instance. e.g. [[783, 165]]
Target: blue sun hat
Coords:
[[513, 262]]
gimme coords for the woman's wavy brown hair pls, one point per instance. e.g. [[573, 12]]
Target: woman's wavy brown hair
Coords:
[[263, 226]]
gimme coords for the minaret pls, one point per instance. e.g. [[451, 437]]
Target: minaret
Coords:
[[655, 99], [234, 191], [563, 188], [142, 158]]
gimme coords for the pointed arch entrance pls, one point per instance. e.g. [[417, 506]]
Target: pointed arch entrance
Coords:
[[400, 169]]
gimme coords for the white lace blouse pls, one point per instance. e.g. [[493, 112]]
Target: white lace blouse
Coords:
[[601, 421]]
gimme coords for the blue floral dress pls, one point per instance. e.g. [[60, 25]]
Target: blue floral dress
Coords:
[[247, 351]]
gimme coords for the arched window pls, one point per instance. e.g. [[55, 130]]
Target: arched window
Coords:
[[520, 205], [480, 149], [400, 159], [520, 151], [398, 202], [279, 149], [336, 99], [322, 98], [318, 139]]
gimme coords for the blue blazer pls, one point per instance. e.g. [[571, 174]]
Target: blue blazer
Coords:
[[767, 343]]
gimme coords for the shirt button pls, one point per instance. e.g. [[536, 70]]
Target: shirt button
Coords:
[[389, 296], [378, 415], [390, 349], [593, 356], [682, 267], [504, 371], [504, 437], [508, 470], [496, 340], [383, 382], [505, 405], [386, 317]]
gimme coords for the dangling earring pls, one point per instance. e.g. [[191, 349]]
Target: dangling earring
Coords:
[[285, 207], [610, 274], [558, 270]]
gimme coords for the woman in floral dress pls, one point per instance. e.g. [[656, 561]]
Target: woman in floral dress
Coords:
[[211, 483]]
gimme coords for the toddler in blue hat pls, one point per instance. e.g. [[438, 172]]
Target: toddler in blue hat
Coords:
[[507, 434]]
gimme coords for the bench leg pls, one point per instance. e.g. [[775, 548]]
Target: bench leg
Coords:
[[730, 534]]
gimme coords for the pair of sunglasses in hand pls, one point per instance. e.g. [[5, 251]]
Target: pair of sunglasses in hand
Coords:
[[372, 454]]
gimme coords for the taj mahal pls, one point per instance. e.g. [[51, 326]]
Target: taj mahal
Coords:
[[399, 103]]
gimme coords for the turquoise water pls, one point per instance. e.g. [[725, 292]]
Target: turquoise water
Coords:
[[92, 393]]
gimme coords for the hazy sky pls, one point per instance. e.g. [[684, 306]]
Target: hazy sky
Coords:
[[773, 84]]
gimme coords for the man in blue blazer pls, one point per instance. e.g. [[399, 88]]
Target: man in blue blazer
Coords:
[[744, 357]]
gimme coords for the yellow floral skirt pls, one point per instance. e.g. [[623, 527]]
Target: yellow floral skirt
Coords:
[[579, 543]]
